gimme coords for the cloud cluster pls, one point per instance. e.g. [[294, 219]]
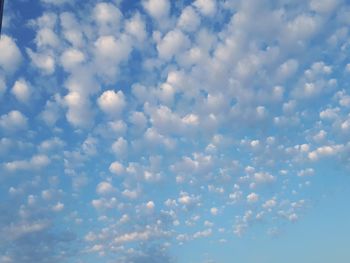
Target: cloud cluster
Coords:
[[144, 127]]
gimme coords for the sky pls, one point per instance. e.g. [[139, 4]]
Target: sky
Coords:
[[158, 131]]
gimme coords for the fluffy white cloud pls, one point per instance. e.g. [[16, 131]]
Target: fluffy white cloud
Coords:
[[12, 121], [136, 27], [2, 85], [111, 102], [43, 61], [10, 55], [45, 37], [158, 9], [79, 113], [105, 188], [189, 19], [206, 7], [323, 6], [173, 42], [36, 162], [116, 168], [72, 58], [22, 90], [120, 147], [108, 17], [110, 52], [252, 198]]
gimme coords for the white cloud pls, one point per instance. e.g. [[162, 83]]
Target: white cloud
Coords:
[[58, 207], [172, 44], [306, 172], [72, 31], [45, 37], [79, 113], [2, 85], [12, 121], [206, 7], [10, 55], [120, 147], [111, 102], [150, 205], [139, 120], [71, 58], [116, 168], [325, 151], [214, 211], [105, 188], [36, 162], [108, 17], [263, 177], [43, 61], [136, 27], [110, 52], [252, 198], [189, 19], [323, 6], [22, 90], [158, 9]]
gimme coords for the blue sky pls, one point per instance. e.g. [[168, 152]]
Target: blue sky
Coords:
[[175, 131]]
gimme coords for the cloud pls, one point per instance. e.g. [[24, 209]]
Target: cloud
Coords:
[[71, 59], [111, 102], [36, 162], [43, 61], [158, 9], [206, 7], [104, 188], [10, 56], [172, 43], [21, 90], [13, 121], [79, 113], [252, 198]]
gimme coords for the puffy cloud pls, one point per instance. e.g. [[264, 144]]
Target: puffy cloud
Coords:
[[79, 113], [110, 52], [36, 162], [263, 177], [214, 211], [116, 168], [325, 151], [108, 17], [306, 172], [46, 37], [323, 6], [72, 58], [120, 147], [158, 9], [43, 61], [136, 27], [22, 90], [189, 19], [206, 7], [172, 44], [252, 198], [150, 205], [12, 121], [2, 85], [105, 188], [10, 56], [111, 102], [58, 207]]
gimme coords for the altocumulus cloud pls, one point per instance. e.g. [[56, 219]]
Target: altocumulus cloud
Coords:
[[134, 130]]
